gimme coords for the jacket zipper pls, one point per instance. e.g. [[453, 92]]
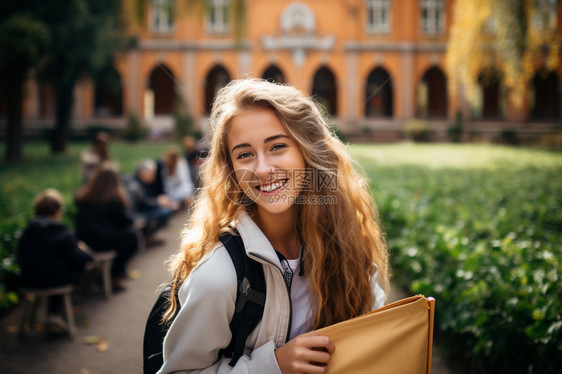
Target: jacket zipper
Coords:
[[288, 294]]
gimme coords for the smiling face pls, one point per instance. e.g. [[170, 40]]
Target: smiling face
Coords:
[[265, 159]]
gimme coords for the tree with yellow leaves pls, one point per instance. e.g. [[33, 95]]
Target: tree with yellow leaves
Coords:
[[507, 36]]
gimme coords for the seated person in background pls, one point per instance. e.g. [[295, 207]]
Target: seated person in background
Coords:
[[103, 221], [191, 156], [92, 157], [194, 153], [176, 177], [155, 209], [49, 254]]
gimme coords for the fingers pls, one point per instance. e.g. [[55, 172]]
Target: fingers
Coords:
[[307, 353], [316, 341]]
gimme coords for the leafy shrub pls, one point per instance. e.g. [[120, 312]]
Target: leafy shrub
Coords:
[[183, 121], [454, 132], [416, 130], [134, 130], [480, 229], [509, 136]]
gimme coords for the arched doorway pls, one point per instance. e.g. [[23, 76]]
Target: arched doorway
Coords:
[[324, 89], [378, 94], [432, 94], [274, 74], [161, 83], [217, 78], [491, 103], [108, 95], [546, 97]]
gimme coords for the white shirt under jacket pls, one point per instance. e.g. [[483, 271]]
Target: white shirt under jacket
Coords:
[[207, 298]]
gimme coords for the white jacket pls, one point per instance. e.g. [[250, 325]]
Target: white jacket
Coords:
[[207, 298]]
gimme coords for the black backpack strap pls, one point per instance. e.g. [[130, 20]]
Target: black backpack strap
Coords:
[[155, 332], [250, 296]]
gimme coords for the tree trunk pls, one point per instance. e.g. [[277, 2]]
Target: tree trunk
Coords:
[[62, 125], [14, 128]]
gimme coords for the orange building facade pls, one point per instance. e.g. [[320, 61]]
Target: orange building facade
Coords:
[[374, 64]]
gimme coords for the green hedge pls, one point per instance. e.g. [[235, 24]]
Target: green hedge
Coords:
[[19, 183], [480, 229]]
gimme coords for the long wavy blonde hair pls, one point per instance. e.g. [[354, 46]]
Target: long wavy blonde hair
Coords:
[[344, 243]]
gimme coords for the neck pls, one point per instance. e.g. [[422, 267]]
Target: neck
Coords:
[[281, 231]]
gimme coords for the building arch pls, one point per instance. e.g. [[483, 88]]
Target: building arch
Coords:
[[379, 94], [324, 89], [545, 96], [108, 93], [217, 78], [432, 94], [163, 91], [490, 103], [274, 74]]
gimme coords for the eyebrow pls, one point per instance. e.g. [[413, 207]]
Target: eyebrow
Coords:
[[266, 140]]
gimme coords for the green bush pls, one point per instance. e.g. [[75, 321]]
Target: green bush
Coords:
[[480, 229], [417, 130], [183, 121], [509, 136], [454, 132], [134, 130]]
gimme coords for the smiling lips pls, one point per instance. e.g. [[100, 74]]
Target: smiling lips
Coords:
[[270, 187]]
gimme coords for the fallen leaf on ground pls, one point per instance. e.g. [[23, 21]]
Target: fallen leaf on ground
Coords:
[[134, 274], [102, 346], [38, 327], [92, 339], [11, 329]]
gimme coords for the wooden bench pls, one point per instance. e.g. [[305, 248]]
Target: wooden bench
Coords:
[[33, 295], [101, 264]]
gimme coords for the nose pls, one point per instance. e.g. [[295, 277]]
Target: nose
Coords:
[[264, 169]]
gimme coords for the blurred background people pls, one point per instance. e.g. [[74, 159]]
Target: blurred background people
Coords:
[[176, 177], [93, 156], [103, 220], [49, 254], [194, 155], [147, 202]]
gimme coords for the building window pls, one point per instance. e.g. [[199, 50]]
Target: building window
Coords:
[[162, 16], [378, 16], [544, 16], [433, 16], [218, 17]]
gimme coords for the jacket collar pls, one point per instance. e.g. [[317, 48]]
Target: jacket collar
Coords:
[[255, 241]]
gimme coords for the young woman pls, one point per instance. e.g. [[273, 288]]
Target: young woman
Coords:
[[277, 175], [95, 155], [176, 177], [103, 221]]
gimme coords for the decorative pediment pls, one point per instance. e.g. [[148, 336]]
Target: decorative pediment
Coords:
[[298, 33]]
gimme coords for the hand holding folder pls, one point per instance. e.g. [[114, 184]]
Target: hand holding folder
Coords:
[[395, 339]]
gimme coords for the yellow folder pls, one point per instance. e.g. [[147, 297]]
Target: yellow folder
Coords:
[[395, 339]]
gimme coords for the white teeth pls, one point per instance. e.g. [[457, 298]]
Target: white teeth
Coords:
[[271, 187]]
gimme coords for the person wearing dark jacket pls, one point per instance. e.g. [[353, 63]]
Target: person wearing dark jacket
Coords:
[[148, 204], [49, 254], [103, 221]]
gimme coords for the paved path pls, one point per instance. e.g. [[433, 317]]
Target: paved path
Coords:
[[119, 321]]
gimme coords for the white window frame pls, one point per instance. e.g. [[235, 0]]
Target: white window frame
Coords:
[[432, 16], [220, 9], [161, 17], [377, 12]]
